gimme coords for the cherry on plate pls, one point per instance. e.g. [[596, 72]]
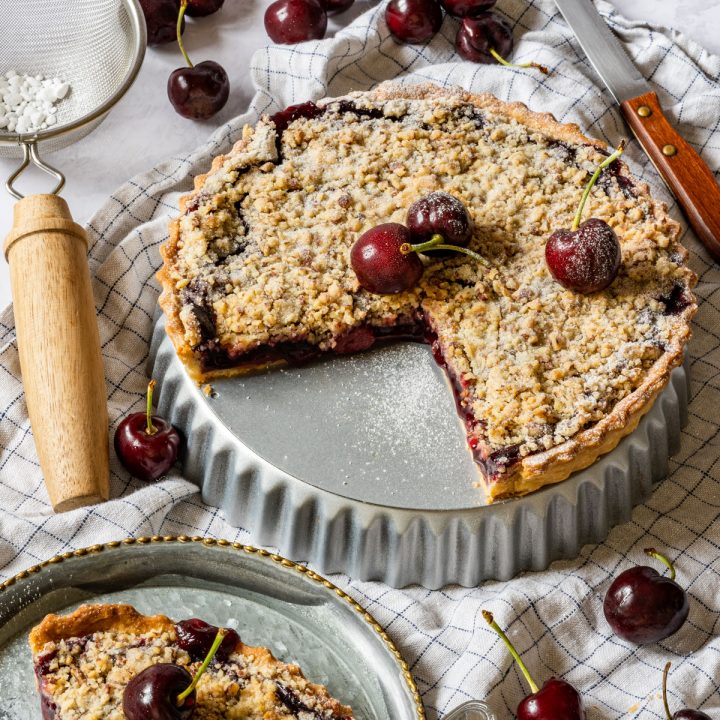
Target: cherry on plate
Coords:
[[165, 691], [413, 21], [196, 638], [642, 606], [294, 21], [152, 694]]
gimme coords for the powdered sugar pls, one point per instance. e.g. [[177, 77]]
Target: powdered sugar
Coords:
[[27, 102]]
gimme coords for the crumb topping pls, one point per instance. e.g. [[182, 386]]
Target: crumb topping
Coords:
[[85, 677], [263, 259]]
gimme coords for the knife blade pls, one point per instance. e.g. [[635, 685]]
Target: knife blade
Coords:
[[683, 170]]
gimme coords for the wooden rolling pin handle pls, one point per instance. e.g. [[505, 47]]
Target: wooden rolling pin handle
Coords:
[[59, 348]]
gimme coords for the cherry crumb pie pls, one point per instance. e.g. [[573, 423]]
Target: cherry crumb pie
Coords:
[[257, 269], [109, 662]]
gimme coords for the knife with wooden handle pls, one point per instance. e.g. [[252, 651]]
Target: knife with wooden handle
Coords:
[[683, 170]]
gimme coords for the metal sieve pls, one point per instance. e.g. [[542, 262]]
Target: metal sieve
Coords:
[[97, 46]]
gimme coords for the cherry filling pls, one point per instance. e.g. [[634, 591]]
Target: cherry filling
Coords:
[[42, 664], [291, 700], [676, 300]]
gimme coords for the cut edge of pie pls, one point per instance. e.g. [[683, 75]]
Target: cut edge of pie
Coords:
[[90, 619], [540, 468]]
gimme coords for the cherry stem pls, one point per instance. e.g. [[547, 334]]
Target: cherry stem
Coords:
[[151, 429], [437, 242], [504, 62], [181, 15], [491, 622], [664, 690], [208, 659], [653, 553], [608, 161]]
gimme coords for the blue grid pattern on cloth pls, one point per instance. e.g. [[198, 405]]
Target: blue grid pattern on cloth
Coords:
[[554, 617]]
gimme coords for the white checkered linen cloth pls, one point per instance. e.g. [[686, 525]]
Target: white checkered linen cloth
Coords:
[[554, 617]]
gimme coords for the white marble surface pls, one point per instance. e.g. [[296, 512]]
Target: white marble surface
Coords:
[[143, 129]]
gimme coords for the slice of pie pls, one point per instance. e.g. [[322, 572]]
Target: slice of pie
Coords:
[[256, 270], [84, 661]]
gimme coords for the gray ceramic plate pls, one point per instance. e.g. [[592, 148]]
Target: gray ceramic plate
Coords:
[[271, 601]]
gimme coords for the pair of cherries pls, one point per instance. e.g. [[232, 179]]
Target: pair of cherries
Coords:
[[641, 606], [386, 259], [165, 691], [483, 36]]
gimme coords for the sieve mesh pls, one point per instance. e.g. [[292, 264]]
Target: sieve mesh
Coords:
[[94, 45]]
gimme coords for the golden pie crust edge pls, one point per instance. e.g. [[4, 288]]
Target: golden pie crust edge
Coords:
[[538, 469]]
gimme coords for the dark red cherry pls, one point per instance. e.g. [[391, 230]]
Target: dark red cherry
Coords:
[[294, 21], [556, 700], [152, 694], [201, 8], [161, 20], [304, 110], [198, 92], [413, 21], [584, 260], [146, 452], [196, 638], [478, 35], [439, 213], [643, 606], [379, 264], [467, 8], [335, 7]]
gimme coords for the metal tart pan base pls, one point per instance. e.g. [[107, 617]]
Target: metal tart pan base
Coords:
[[359, 465]]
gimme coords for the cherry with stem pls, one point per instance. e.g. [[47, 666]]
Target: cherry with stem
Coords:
[[146, 444], [165, 691], [586, 258], [487, 38], [197, 91], [642, 606], [556, 700]]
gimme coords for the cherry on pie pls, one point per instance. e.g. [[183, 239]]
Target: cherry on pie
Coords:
[[256, 270]]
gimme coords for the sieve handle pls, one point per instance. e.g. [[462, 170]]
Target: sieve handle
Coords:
[[59, 348]]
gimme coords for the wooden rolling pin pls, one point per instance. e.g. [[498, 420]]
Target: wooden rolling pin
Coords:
[[59, 349]]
